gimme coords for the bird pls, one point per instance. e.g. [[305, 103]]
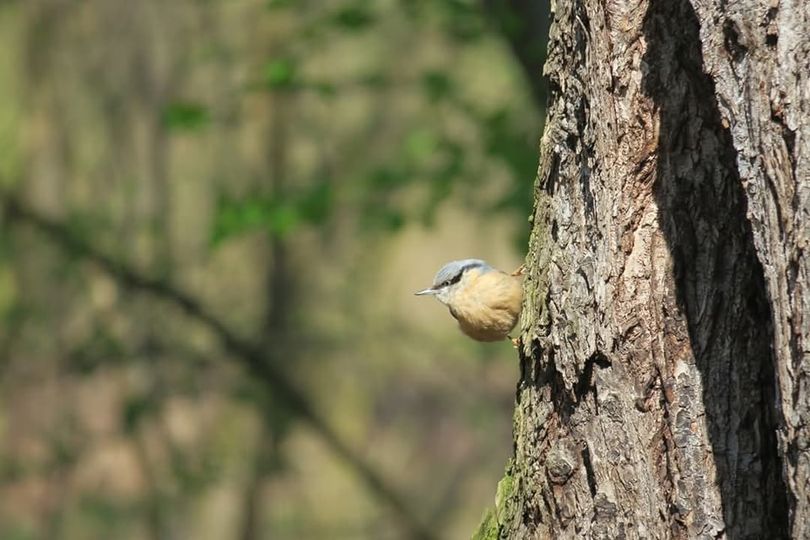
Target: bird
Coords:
[[485, 301]]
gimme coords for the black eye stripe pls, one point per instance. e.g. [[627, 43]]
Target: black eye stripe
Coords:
[[455, 279]]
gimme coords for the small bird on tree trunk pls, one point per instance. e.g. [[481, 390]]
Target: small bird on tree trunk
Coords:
[[485, 301]]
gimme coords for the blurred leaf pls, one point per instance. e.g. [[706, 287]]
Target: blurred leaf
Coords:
[[414, 10], [393, 220], [104, 513], [421, 144], [278, 420], [509, 143], [382, 183], [185, 116], [506, 17], [236, 217], [283, 219], [316, 205], [135, 409], [9, 287], [515, 148], [277, 216], [280, 74], [65, 444], [99, 348], [196, 471], [463, 19], [443, 178], [383, 218], [354, 18], [247, 391], [325, 89], [386, 177], [374, 81], [437, 85], [86, 224], [452, 165]]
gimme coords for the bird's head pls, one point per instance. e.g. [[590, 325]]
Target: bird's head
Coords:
[[450, 280]]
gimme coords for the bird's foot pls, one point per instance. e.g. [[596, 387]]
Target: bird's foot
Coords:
[[515, 341], [520, 271]]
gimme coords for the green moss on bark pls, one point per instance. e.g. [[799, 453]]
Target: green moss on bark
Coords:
[[493, 519]]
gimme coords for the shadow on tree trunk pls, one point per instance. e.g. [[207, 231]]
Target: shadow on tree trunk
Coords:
[[720, 286]]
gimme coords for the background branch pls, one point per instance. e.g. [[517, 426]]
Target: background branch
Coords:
[[253, 358]]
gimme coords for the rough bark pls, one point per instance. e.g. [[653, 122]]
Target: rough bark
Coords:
[[758, 54], [662, 379]]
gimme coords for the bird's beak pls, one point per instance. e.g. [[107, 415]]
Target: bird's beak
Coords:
[[426, 291]]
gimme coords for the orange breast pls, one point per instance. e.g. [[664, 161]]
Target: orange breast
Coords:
[[488, 306]]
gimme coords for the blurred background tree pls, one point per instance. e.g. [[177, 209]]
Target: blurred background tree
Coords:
[[280, 175]]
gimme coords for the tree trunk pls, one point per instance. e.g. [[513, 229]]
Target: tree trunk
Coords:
[[666, 333]]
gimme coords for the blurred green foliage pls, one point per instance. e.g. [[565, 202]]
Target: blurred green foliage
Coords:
[[354, 17], [278, 216], [428, 154], [184, 116], [263, 156], [280, 74]]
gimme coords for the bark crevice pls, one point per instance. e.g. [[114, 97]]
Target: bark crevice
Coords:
[[720, 284]]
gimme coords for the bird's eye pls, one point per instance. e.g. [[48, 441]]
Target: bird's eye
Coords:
[[445, 283]]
